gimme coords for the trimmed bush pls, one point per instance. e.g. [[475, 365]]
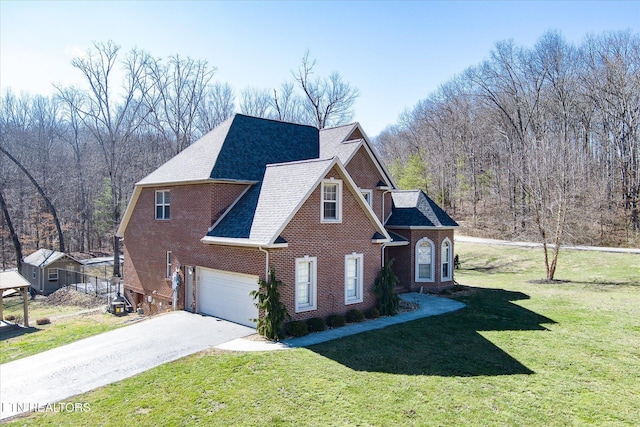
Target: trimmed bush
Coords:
[[43, 321], [275, 312], [316, 324], [297, 328], [388, 302], [354, 316], [372, 313], [335, 321], [10, 317]]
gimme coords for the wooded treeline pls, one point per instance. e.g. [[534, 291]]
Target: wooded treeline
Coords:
[[69, 162], [539, 143]]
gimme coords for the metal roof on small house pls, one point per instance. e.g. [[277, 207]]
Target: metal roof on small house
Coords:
[[12, 279], [413, 208], [44, 257]]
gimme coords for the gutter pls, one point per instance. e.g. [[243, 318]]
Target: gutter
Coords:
[[231, 241]]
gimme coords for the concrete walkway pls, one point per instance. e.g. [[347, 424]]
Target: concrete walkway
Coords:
[[63, 372], [430, 305]]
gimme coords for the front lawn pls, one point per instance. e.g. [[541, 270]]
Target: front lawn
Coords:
[[520, 353], [66, 326]]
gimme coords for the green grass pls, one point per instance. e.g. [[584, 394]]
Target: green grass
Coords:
[[520, 353], [63, 329], [37, 308]]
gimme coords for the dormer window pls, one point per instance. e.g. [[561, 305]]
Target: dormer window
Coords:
[[331, 209]]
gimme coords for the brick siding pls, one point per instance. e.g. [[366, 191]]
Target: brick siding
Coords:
[[405, 258], [193, 210], [329, 243]]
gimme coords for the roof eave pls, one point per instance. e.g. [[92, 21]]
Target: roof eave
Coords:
[[381, 241], [422, 227], [400, 243], [247, 243], [194, 181]]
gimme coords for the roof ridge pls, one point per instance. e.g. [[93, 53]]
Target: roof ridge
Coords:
[[340, 126], [295, 162], [274, 120]]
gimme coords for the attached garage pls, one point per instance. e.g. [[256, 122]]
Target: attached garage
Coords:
[[225, 294]]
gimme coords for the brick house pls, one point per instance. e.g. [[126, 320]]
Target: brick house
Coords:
[[255, 194]]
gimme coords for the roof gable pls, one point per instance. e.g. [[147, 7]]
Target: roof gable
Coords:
[[355, 134], [45, 257], [414, 208], [266, 209], [344, 142]]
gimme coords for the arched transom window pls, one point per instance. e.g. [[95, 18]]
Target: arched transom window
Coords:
[[424, 260]]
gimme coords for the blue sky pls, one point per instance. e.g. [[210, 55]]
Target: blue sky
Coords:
[[395, 53]]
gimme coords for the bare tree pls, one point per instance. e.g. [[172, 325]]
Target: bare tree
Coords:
[[113, 118], [612, 82], [255, 102], [17, 246], [329, 100], [72, 135], [42, 193], [178, 90], [31, 123], [288, 106], [217, 106]]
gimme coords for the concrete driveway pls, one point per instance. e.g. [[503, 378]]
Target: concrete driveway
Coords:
[[63, 372]]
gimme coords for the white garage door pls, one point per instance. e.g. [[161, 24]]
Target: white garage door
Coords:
[[225, 295]]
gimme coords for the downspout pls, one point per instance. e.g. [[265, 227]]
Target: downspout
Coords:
[[383, 219], [384, 245], [266, 263]]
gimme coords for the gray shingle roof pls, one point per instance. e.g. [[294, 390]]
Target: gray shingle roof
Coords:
[[414, 208], [396, 238], [332, 143], [266, 208], [335, 142], [239, 149], [336, 134], [195, 163]]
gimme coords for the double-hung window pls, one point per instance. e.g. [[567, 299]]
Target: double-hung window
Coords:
[[163, 202], [353, 278], [424, 260], [306, 286], [331, 209], [52, 274]]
